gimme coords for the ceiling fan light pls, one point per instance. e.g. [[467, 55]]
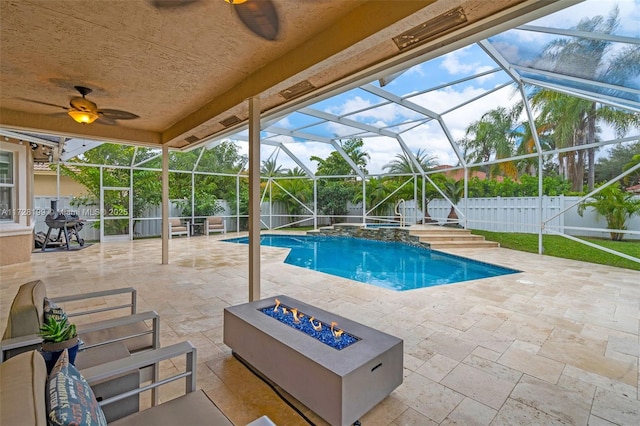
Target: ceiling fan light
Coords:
[[83, 117]]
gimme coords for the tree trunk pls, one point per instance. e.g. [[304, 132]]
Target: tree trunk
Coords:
[[591, 152], [453, 216]]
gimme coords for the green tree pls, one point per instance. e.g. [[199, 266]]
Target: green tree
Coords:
[[270, 168], [575, 120], [614, 163], [402, 164], [336, 165], [208, 188], [494, 135], [632, 178], [454, 190], [615, 205], [333, 195], [146, 183], [292, 192]]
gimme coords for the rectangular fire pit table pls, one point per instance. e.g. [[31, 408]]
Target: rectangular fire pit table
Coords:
[[338, 385]]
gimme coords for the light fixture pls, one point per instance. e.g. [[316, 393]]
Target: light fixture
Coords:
[[432, 29], [235, 1], [83, 117]]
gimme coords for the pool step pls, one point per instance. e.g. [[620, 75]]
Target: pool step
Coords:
[[440, 237]]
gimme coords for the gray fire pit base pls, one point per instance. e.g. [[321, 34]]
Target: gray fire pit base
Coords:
[[338, 385]]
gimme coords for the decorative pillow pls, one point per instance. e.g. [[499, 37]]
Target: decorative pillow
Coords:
[[53, 310], [70, 400]]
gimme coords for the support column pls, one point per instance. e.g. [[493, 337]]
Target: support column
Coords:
[[254, 199], [165, 205]]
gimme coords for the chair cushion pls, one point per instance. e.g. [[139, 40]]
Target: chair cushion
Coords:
[[23, 380], [194, 408], [215, 220], [70, 400], [26, 313]]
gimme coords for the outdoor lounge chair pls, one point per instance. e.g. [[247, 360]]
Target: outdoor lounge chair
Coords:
[[176, 227], [26, 316], [24, 380], [103, 341], [215, 224]]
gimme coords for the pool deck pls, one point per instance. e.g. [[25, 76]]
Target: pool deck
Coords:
[[555, 344]]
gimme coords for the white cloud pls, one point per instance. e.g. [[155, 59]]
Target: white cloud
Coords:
[[451, 62]]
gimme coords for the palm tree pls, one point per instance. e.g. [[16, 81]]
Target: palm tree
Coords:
[[615, 205], [334, 164], [598, 60], [402, 164], [494, 134], [634, 177], [270, 168], [377, 190], [453, 189]]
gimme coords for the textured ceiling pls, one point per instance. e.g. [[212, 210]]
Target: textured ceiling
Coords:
[[183, 70]]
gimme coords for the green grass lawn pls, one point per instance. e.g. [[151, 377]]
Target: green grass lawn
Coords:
[[555, 245]]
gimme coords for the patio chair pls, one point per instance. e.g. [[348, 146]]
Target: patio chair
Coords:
[[104, 341], [215, 224], [177, 227], [26, 316], [24, 381]]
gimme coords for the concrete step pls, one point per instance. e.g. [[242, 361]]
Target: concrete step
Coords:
[[448, 237], [463, 244]]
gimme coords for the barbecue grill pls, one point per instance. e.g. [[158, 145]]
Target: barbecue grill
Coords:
[[67, 224]]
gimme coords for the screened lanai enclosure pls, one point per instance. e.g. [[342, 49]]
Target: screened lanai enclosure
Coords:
[[503, 135]]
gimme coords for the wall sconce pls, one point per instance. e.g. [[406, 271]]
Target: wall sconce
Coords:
[[83, 117]]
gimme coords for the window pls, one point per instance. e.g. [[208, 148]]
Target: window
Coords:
[[7, 187]]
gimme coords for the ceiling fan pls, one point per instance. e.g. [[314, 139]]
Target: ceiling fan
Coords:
[[84, 111], [259, 16]]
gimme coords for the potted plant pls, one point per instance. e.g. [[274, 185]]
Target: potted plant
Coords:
[[57, 335]]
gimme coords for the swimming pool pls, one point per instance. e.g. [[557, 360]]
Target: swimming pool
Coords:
[[390, 265]]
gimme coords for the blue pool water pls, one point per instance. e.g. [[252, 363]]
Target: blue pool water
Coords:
[[391, 265]]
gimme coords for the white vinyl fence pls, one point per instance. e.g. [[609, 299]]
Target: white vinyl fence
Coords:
[[499, 214]]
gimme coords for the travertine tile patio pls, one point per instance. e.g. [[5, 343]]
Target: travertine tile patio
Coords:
[[555, 344]]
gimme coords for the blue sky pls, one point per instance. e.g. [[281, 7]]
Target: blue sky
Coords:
[[456, 65]]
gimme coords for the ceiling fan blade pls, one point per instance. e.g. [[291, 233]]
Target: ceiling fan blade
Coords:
[[260, 17], [106, 120], [116, 114], [42, 103], [165, 4]]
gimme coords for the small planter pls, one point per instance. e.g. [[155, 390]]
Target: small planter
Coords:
[[51, 351]]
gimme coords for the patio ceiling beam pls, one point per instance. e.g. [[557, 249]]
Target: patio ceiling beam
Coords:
[[347, 122], [577, 79], [452, 83], [500, 60], [297, 160], [581, 34], [348, 159], [603, 99], [280, 131], [27, 138], [410, 155], [400, 101], [195, 165], [420, 110], [475, 98]]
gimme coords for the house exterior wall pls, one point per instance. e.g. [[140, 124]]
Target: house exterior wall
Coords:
[[45, 184], [16, 235]]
